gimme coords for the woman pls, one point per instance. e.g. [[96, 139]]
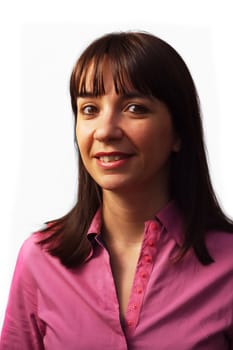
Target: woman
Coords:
[[144, 259]]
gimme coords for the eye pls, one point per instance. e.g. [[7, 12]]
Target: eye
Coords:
[[137, 108], [88, 109]]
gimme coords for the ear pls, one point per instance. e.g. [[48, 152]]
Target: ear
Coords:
[[177, 145]]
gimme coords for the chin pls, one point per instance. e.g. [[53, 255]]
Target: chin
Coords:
[[119, 186], [112, 185]]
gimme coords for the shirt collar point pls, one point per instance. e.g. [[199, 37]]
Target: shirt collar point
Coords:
[[171, 218]]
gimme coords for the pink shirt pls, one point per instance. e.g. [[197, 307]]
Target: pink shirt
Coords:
[[183, 306]]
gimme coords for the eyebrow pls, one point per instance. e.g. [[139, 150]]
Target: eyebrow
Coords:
[[134, 94], [87, 94], [124, 96]]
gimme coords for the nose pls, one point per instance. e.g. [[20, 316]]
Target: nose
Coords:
[[108, 129]]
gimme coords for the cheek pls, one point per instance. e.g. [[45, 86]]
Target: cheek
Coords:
[[148, 135], [157, 138], [83, 136], [78, 136], [82, 145]]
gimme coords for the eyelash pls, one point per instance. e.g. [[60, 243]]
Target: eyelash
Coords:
[[84, 108], [140, 109]]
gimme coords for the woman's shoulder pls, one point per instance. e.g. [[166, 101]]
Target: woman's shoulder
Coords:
[[30, 247], [220, 245], [35, 264], [220, 236], [32, 255]]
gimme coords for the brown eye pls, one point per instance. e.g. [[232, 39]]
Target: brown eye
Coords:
[[89, 110], [137, 109]]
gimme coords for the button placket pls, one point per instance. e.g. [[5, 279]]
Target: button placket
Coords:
[[144, 268]]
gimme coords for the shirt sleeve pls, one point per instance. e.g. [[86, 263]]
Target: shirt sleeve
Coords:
[[22, 328]]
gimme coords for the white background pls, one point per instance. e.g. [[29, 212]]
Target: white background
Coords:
[[39, 43]]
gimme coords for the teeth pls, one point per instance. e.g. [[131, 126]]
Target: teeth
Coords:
[[108, 159]]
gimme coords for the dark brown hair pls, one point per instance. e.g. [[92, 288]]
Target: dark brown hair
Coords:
[[153, 68]]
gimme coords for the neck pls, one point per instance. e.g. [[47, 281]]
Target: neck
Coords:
[[124, 215]]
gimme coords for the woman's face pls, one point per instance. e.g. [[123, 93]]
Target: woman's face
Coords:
[[125, 141]]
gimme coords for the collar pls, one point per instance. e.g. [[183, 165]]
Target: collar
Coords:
[[169, 217], [95, 227]]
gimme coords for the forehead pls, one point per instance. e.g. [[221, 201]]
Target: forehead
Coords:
[[102, 73], [101, 76]]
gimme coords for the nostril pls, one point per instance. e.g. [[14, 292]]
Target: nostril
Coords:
[[108, 133]]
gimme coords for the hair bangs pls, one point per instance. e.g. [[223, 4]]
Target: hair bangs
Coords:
[[126, 78], [90, 80], [128, 66]]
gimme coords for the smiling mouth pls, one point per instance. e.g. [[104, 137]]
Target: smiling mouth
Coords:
[[109, 159]]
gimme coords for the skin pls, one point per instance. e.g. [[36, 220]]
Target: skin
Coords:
[[137, 127], [137, 130]]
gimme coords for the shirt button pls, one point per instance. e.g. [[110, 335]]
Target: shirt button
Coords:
[[133, 307], [143, 274], [154, 225], [151, 243], [130, 323], [148, 259], [139, 290]]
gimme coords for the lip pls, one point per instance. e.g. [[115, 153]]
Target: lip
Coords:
[[113, 153], [113, 164]]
